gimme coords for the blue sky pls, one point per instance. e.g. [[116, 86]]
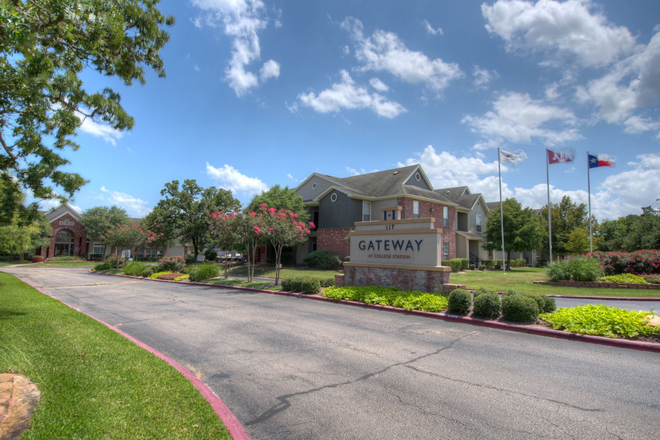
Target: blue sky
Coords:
[[260, 93]]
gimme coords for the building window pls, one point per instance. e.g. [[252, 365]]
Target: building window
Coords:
[[445, 216], [445, 251], [415, 209], [98, 249], [418, 177], [314, 186], [478, 223], [366, 211], [333, 197]]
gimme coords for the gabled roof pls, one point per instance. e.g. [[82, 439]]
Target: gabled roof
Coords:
[[453, 193], [462, 196], [493, 205]]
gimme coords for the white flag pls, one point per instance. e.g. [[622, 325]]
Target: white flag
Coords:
[[514, 157]]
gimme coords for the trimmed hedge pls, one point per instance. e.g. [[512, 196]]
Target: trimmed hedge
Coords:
[[487, 305], [456, 264], [327, 282], [322, 259], [459, 303], [517, 307], [308, 285]]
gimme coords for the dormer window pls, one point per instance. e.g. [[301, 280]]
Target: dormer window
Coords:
[[418, 177]]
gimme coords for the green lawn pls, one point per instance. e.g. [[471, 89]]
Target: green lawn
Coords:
[[94, 383], [7, 263], [67, 264], [520, 279], [269, 271], [244, 283]]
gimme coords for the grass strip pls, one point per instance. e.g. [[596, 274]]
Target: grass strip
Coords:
[[265, 285], [286, 272], [94, 383], [520, 280]]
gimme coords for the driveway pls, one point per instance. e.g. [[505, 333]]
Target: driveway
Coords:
[[297, 369]]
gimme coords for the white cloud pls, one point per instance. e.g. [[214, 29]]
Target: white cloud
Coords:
[[134, 206], [270, 69], [241, 20], [104, 131], [573, 29], [636, 125], [292, 178], [196, 67], [356, 172], [385, 51], [346, 50], [378, 85], [518, 118], [619, 194], [552, 91], [483, 77], [230, 178], [293, 108], [346, 95], [630, 84], [430, 29]]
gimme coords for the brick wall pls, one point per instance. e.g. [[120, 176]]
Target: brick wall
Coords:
[[334, 240], [448, 233], [80, 237], [406, 279]]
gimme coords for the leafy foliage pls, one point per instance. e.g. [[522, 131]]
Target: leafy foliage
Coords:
[[566, 217], [100, 220], [322, 259], [203, 272], [308, 285], [644, 261], [171, 276], [487, 305], [522, 230], [134, 269], [601, 320], [459, 302], [280, 198], [44, 46], [631, 233], [210, 255], [624, 278], [517, 307], [389, 296], [577, 269], [171, 264]]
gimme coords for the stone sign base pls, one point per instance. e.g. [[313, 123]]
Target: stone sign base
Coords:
[[424, 279]]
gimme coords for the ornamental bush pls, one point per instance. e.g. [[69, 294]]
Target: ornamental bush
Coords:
[[134, 269], [456, 264], [322, 259], [155, 275], [517, 307], [148, 271], [481, 291], [487, 305], [624, 278], [171, 264], [459, 302], [205, 271], [170, 276], [308, 285], [601, 320], [210, 255], [644, 261], [103, 266], [577, 269], [327, 282], [37, 259], [389, 296]]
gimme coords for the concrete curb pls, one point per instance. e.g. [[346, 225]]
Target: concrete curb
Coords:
[[602, 298], [539, 331], [233, 425]]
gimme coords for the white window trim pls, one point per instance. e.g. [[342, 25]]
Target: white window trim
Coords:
[[333, 197], [415, 205], [364, 205]]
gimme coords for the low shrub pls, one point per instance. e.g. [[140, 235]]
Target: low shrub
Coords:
[[601, 320], [558, 271], [642, 261], [67, 258], [205, 271], [171, 264], [472, 266], [134, 269], [464, 263], [103, 266], [190, 259], [37, 259], [170, 276], [652, 279], [148, 271], [210, 255], [116, 262], [9, 257], [95, 256], [541, 263], [481, 291], [456, 264], [322, 259], [577, 269], [389, 296], [182, 277], [327, 282], [155, 275], [487, 305], [624, 278], [306, 285], [517, 307], [518, 262], [459, 302], [487, 263]]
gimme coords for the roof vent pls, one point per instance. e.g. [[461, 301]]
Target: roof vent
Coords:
[[447, 192], [396, 172]]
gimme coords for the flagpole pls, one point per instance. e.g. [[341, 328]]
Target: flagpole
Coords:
[[547, 172], [591, 244], [499, 172]]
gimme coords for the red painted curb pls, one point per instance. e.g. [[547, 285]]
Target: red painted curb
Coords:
[[602, 298], [539, 331], [230, 421]]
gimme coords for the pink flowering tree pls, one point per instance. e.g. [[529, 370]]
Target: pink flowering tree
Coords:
[[224, 233], [282, 228], [128, 237]]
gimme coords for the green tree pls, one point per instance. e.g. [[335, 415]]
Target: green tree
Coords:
[[644, 232], [566, 216], [128, 237], [17, 237], [522, 230], [185, 212], [44, 46], [578, 241], [280, 198], [99, 220]]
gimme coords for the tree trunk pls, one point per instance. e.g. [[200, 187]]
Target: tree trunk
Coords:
[[508, 260]]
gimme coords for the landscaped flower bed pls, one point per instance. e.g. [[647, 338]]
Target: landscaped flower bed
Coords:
[[389, 296], [645, 261]]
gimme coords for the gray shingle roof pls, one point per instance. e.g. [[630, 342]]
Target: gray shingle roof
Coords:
[[380, 183], [493, 205], [460, 195]]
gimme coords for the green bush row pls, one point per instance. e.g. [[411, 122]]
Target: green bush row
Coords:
[[389, 296], [624, 278], [322, 259], [577, 269], [458, 264], [601, 320], [308, 285], [514, 306]]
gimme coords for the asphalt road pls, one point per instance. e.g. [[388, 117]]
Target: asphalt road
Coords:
[[298, 369]]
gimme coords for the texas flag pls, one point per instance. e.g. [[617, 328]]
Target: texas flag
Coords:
[[602, 160]]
